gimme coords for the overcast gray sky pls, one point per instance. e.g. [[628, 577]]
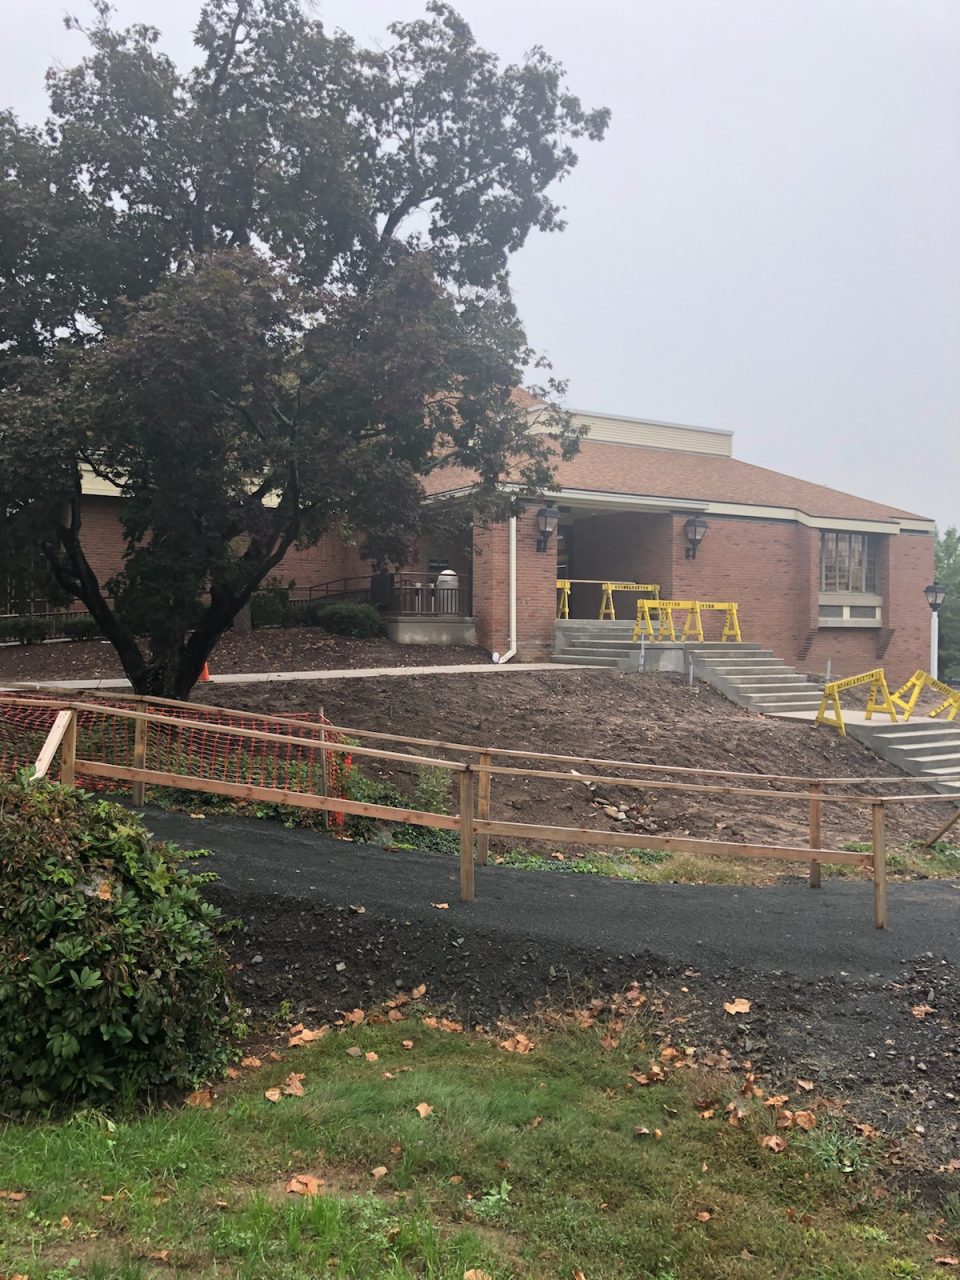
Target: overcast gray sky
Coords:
[[767, 240]]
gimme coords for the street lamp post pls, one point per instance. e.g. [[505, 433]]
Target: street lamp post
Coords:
[[936, 593]]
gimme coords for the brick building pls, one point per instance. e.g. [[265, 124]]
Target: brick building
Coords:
[[817, 574]]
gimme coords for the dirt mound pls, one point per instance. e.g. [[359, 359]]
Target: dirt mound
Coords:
[[611, 714]]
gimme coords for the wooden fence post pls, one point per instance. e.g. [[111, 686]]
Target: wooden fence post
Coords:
[[466, 834], [324, 789], [138, 790], [816, 841], [68, 753], [879, 865], [484, 786]]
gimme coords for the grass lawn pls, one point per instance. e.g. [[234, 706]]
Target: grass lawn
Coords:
[[557, 1162]]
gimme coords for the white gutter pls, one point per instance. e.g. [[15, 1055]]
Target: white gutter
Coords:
[[512, 596]]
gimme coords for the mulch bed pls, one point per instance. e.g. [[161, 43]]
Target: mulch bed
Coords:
[[266, 649]]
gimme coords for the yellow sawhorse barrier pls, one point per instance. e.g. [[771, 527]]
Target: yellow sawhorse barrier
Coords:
[[906, 696], [879, 699], [607, 612], [693, 624]]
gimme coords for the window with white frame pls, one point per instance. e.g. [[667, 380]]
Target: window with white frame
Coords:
[[848, 562]]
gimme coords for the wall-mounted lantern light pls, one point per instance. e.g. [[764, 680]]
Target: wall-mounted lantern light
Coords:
[[695, 529], [547, 520], [936, 593]]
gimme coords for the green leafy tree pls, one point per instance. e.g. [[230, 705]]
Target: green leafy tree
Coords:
[[264, 298], [948, 572]]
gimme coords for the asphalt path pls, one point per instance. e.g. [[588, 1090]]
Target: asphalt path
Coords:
[[781, 928]]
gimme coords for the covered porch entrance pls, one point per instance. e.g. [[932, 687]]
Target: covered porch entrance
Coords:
[[625, 550]]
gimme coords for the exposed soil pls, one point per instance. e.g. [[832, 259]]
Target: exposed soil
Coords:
[[614, 715], [858, 1041], [266, 649]]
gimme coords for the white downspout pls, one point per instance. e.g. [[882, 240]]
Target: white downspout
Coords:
[[512, 590]]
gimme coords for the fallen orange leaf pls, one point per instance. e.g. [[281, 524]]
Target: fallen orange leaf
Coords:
[[920, 1011], [200, 1098], [272, 1095], [13, 1195], [703, 1216], [805, 1120], [738, 1006], [355, 1017], [424, 1109], [372, 1057], [805, 1085], [406, 1044], [441, 906], [294, 1085], [104, 892], [252, 1063], [157, 1255], [304, 1184], [773, 1142], [379, 1172], [304, 1035], [474, 1273], [418, 992]]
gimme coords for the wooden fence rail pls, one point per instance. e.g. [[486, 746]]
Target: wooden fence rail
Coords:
[[474, 821]]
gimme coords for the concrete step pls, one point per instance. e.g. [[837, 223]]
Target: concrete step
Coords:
[[777, 687], [927, 751], [578, 660], [771, 707]]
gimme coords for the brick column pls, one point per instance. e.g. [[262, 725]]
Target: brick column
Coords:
[[536, 589]]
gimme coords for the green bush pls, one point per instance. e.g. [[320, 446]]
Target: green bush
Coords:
[[347, 618], [269, 607], [113, 981], [81, 626], [28, 629]]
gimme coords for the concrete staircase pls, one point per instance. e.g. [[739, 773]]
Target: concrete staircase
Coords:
[[748, 675], [928, 749], [754, 678], [596, 644]]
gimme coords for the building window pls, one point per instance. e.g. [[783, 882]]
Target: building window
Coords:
[[848, 562]]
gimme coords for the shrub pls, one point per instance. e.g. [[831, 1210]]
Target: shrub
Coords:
[[112, 976], [81, 626], [28, 629], [347, 618], [270, 607]]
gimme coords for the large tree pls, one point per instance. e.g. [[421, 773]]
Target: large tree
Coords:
[[264, 298]]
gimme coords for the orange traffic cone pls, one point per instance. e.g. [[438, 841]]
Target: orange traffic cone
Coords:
[[205, 674]]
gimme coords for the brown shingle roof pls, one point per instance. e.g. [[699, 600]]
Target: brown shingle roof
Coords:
[[668, 473]]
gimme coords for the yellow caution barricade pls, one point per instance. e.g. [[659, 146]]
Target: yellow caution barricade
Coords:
[[731, 623], [607, 611], [692, 630], [563, 599], [879, 698], [906, 696]]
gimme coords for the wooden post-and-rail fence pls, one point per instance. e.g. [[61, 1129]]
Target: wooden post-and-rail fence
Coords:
[[157, 734]]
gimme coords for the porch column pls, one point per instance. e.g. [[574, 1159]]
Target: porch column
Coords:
[[536, 589]]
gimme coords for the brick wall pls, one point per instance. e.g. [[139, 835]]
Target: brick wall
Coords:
[[102, 536], [536, 589]]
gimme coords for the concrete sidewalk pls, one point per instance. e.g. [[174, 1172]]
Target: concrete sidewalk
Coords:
[[340, 673]]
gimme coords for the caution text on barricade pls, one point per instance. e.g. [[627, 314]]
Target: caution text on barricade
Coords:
[[878, 700], [906, 696]]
